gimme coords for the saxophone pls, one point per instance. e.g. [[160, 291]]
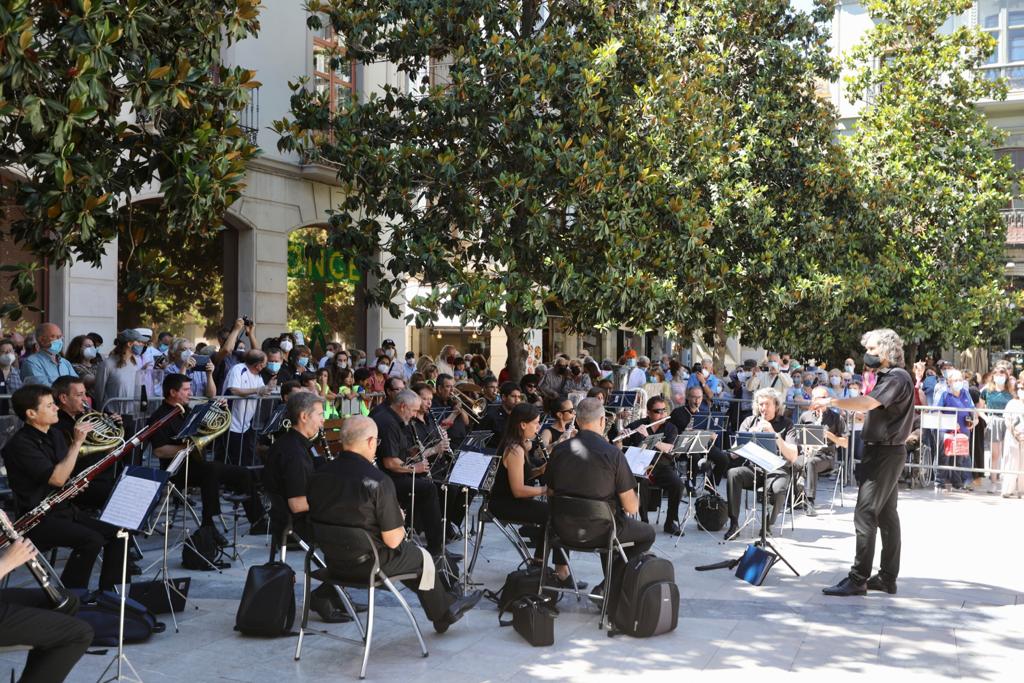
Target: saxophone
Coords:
[[62, 599]]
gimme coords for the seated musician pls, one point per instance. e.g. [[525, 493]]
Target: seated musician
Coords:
[[57, 640], [719, 461], [768, 417], [824, 459], [394, 447], [392, 385], [207, 475], [39, 462], [69, 394], [425, 431], [664, 474], [350, 491], [561, 429], [587, 466], [456, 422], [490, 390], [512, 499], [494, 419], [290, 463]]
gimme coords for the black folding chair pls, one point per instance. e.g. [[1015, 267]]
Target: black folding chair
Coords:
[[353, 549], [583, 525]]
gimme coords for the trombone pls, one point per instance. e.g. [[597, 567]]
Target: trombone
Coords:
[[474, 408]]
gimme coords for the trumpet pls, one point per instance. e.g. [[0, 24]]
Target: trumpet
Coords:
[[107, 433], [474, 408]]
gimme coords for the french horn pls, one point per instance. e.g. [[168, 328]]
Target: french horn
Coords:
[[107, 433]]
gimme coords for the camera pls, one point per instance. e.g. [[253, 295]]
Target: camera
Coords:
[[247, 320]]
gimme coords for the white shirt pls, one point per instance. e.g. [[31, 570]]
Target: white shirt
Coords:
[[242, 409], [637, 378]]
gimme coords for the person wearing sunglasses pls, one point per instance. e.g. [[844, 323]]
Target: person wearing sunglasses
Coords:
[[561, 429], [664, 474]]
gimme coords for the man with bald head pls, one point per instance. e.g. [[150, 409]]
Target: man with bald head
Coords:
[[823, 459], [45, 366], [350, 491]]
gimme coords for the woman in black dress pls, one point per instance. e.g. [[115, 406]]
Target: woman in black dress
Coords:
[[513, 499]]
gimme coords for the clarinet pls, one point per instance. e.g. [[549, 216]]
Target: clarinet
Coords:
[[41, 570], [322, 437], [77, 484]]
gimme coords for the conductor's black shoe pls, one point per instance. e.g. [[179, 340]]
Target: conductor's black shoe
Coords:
[[457, 610], [879, 583], [732, 531], [846, 587], [673, 529]]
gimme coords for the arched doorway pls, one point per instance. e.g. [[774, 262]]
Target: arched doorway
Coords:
[[324, 290]]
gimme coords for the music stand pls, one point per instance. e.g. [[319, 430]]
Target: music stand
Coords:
[[131, 502], [477, 440], [471, 470], [766, 461], [811, 439], [691, 443]]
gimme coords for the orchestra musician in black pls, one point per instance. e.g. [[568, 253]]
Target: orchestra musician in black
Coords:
[[69, 394], [494, 419], [663, 474], [719, 461], [456, 422]]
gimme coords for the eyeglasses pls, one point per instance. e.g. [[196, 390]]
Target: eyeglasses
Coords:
[[568, 410], [657, 411]]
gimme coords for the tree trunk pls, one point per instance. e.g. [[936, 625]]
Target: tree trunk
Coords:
[[515, 345], [910, 354], [720, 340]]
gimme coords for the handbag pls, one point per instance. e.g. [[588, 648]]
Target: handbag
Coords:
[[533, 617], [956, 444]]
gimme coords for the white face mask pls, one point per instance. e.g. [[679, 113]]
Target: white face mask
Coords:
[[836, 381], [89, 352], [999, 380], [185, 355], [958, 386], [854, 392], [286, 346], [706, 373], [7, 359], [850, 368], [383, 369], [742, 376]]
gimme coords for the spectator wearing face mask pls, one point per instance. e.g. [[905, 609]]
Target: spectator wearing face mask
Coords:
[[769, 376], [578, 380], [379, 374], [153, 362], [850, 366], [276, 368], [234, 342], [996, 396], [957, 397], [46, 365], [329, 354], [835, 383], [635, 374], [182, 361], [300, 360], [10, 377], [406, 369], [553, 385], [118, 386], [82, 355], [799, 395], [703, 376]]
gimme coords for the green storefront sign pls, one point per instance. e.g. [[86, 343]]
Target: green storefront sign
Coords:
[[317, 263]]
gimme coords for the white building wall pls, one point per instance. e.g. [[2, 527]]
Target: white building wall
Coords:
[[84, 299]]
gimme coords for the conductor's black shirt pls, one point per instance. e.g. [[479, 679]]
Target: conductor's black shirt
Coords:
[[30, 456], [890, 423]]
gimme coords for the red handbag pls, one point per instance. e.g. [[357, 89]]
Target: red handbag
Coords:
[[956, 444]]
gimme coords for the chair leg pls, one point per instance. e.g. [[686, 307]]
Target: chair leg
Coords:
[[350, 608], [607, 586], [408, 613], [369, 632], [543, 563], [305, 612], [476, 544]]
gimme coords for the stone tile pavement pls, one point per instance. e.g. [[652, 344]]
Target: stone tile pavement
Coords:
[[959, 614]]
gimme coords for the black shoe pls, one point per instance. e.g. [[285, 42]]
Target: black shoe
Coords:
[[877, 583], [457, 610], [566, 583], [597, 595], [454, 533], [453, 558], [260, 528], [732, 531], [134, 569], [811, 512], [846, 587], [673, 529], [328, 613]]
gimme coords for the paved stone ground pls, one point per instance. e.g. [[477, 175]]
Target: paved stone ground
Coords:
[[959, 614]]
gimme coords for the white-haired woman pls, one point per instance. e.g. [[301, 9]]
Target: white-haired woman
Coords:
[[769, 416], [183, 361], [889, 420]]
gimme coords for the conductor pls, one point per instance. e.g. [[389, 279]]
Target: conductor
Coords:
[[887, 424]]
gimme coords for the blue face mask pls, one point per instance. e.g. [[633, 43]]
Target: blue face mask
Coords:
[[162, 348], [303, 361], [56, 346], [274, 366], [137, 349]]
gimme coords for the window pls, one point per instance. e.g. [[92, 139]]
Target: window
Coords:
[[338, 83], [1017, 155], [1004, 21]]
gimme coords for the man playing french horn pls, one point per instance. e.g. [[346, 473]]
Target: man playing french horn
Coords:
[[207, 475], [106, 434]]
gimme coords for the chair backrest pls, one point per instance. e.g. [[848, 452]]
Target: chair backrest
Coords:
[[581, 523], [348, 550]]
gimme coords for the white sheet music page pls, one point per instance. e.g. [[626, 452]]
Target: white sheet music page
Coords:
[[469, 469], [639, 460], [760, 456], [130, 502]]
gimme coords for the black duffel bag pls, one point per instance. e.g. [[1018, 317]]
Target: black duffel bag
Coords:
[[533, 617]]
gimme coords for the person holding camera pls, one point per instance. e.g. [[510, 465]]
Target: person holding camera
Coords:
[[182, 359]]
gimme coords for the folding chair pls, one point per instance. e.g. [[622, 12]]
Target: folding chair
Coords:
[[354, 550]]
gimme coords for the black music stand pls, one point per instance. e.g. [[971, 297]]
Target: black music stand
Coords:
[[131, 503], [477, 440], [471, 470], [691, 443], [811, 439]]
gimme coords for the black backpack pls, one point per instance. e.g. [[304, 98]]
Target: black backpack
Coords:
[[267, 607], [201, 551], [102, 611], [644, 597]]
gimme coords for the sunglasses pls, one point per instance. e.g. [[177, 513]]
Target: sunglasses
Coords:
[[568, 410], [658, 411]]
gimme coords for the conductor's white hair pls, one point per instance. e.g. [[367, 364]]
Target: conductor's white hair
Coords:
[[890, 346]]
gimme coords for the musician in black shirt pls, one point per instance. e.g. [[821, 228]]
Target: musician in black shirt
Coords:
[[456, 423], [587, 466], [39, 462], [664, 474], [392, 385], [824, 459], [394, 448], [767, 417], [718, 461], [887, 424], [69, 395], [494, 419], [208, 475], [350, 491]]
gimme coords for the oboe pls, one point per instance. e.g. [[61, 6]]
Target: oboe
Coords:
[[41, 570]]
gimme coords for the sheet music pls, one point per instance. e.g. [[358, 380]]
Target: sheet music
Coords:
[[639, 460], [469, 469], [130, 502], [938, 420], [760, 456]]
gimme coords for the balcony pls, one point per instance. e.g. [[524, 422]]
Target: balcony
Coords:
[[1014, 227]]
